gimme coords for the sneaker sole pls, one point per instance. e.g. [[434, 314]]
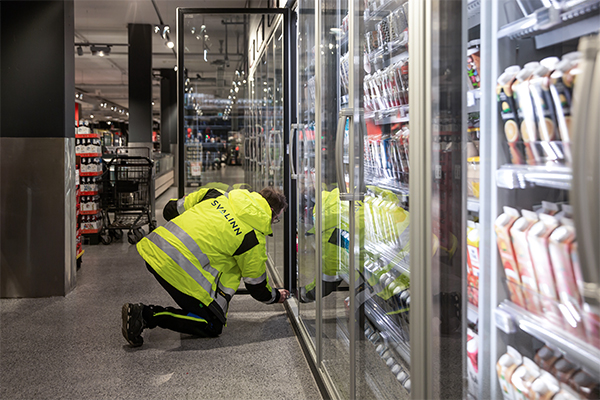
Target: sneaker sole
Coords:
[[124, 317]]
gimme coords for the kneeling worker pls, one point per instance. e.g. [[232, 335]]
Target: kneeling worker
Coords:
[[211, 241]]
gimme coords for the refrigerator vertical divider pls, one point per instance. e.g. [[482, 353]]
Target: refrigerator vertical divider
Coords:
[[421, 313], [318, 185]]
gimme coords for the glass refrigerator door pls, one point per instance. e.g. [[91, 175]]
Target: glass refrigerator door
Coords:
[[539, 319]]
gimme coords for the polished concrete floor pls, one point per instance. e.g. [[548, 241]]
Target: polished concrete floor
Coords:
[[71, 347]]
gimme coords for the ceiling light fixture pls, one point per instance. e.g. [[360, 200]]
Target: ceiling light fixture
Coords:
[[79, 51], [170, 44], [100, 51]]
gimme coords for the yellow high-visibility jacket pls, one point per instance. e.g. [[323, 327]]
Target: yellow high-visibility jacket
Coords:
[[217, 239]]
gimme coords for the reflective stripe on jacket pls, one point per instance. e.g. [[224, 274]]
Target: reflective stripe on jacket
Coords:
[[206, 250]]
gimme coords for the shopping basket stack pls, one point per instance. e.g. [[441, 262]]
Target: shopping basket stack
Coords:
[[127, 197]]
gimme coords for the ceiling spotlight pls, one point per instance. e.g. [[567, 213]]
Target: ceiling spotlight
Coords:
[[170, 44], [91, 115], [100, 51], [79, 51]]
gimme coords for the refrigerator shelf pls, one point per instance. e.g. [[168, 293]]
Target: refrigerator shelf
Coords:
[[389, 184], [572, 347], [549, 18], [522, 176], [473, 13], [473, 204]]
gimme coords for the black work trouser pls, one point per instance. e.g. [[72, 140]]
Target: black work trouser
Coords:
[[194, 318]]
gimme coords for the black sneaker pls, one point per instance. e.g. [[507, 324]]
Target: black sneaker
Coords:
[[133, 324]]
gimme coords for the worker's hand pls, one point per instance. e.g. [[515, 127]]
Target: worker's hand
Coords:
[[283, 295]]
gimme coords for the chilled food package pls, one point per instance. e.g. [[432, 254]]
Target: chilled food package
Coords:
[[473, 64], [546, 357], [563, 369], [472, 355], [502, 227], [505, 368], [473, 177], [561, 241], [584, 385], [526, 113], [518, 234], [566, 393], [544, 387], [508, 112], [538, 238], [473, 262], [550, 149], [523, 379], [561, 89]]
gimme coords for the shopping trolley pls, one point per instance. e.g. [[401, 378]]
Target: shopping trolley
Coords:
[[127, 197]]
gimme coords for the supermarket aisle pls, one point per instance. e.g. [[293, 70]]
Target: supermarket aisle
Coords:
[[71, 347]]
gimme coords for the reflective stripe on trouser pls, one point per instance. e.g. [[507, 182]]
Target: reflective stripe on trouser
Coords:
[[189, 267], [182, 321]]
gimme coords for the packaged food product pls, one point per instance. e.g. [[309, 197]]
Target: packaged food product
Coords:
[[568, 291], [473, 68], [544, 387], [518, 234], [473, 177], [563, 369], [591, 322], [585, 386], [523, 378], [473, 262], [539, 87], [538, 238], [561, 89], [502, 227], [505, 368], [566, 393], [545, 358], [526, 113], [508, 112], [472, 368]]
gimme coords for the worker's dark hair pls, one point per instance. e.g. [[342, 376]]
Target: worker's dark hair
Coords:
[[275, 198]]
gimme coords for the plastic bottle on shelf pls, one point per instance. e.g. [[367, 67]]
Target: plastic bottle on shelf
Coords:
[[544, 387], [526, 113], [546, 357], [505, 368], [563, 369], [523, 378], [508, 112], [586, 386], [502, 227]]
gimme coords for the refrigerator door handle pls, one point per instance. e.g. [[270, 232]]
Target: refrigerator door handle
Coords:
[[293, 129], [345, 114]]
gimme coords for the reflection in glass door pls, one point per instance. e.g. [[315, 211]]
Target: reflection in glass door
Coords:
[[232, 100]]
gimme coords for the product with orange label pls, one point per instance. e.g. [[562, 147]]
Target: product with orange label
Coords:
[[502, 227], [523, 379], [508, 112], [518, 233], [544, 387], [561, 89], [538, 237], [505, 368], [526, 113], [473, 262], [569, 295], [585, 386], [545, 358]]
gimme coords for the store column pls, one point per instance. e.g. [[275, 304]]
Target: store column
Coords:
[[168, 111], [140, 85], [37, 149]]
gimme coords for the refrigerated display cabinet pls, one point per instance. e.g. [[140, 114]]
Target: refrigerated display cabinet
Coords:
[[379, 221], [534, 322]]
